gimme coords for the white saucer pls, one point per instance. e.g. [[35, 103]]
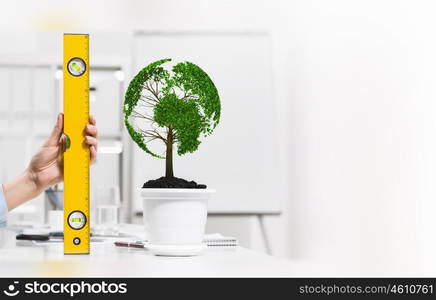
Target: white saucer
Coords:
[[176, 250]]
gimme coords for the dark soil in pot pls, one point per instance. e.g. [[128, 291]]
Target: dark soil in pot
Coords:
[[172, 183]]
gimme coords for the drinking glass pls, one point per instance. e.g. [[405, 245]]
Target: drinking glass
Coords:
[[108, 204]]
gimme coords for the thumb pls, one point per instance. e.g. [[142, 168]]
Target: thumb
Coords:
[[56, 133]]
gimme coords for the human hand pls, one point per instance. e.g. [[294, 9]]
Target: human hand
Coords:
[[47, 166]]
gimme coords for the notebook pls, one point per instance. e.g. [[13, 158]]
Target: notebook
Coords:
[[218, 240]]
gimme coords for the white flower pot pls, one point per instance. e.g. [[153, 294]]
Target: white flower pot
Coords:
[[175, 220]]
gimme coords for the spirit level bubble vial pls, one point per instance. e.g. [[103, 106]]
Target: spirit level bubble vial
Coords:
[[76, 156]]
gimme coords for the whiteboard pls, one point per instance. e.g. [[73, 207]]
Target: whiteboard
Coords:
[[239, 160]]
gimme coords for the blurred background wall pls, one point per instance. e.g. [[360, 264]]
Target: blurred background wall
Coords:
[[354, 83]]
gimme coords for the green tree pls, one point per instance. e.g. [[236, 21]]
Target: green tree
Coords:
[[175, 107]]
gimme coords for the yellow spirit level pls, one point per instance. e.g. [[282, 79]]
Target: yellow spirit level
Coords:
[[76, 157]]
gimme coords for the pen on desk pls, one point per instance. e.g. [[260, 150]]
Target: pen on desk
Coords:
[[130, 244]]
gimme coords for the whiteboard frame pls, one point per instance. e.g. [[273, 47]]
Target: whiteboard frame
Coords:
[[259, 213]]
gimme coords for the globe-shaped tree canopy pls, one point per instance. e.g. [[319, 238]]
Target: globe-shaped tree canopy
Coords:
[[175, 105]]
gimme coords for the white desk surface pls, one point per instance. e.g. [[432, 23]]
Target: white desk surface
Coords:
[[27, 259]]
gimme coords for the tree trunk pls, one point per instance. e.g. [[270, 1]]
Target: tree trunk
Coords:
[[169, 156]]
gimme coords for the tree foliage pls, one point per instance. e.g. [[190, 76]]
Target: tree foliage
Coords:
[[176, 106]]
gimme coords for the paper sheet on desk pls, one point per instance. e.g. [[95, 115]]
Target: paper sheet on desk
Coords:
[[125, 230], [214, 240], [138, 231]]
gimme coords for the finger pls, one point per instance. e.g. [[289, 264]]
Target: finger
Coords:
[[91, 130], [56, 133], [91, 141], [92, 120], [63, 143], [93, 152]]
